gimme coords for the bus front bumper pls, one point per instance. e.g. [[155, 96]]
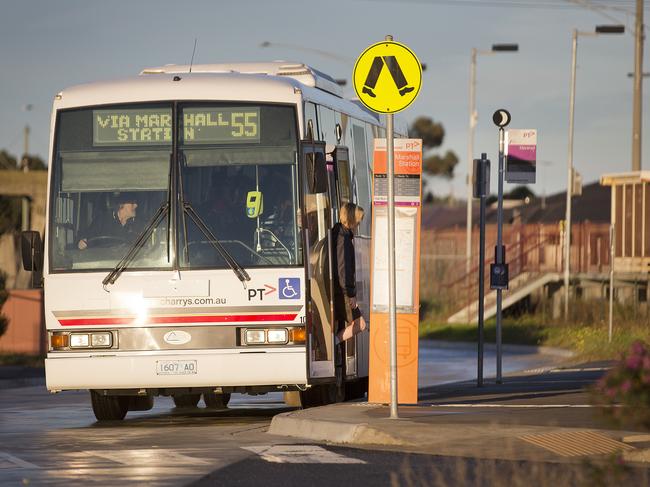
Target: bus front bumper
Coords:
[[224, 368]]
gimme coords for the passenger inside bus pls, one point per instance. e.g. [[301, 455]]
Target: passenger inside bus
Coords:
[[114, 227]]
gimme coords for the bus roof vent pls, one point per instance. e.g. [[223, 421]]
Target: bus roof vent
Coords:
[[298, 71]]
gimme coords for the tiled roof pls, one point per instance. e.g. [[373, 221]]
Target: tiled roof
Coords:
[[593, 205]]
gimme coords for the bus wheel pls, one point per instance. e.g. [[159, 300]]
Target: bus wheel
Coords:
[[318, 395], [186, 400], [109, 408], [357, 389], [213, 400], [140, 403]]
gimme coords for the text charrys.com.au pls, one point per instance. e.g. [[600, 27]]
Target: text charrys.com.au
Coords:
[[191, 301]]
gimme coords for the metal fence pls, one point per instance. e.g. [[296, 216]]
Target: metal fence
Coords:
[[531, 248]]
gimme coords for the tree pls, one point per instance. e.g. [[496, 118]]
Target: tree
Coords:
[[520, 193], [11, 206], [433, 134], [7, 161]]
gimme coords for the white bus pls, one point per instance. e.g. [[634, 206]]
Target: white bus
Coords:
[[188, 236]]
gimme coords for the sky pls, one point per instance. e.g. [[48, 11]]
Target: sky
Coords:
[[48, 45]]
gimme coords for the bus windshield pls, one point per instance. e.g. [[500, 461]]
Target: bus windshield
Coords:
[[112, 172]]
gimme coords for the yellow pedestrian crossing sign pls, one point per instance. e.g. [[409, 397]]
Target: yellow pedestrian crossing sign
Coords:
[[387, 77]]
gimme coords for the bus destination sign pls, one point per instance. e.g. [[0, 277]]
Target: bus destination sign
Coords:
[[222, 125]]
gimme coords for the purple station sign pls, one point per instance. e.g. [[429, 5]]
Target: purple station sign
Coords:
[[521, 153]]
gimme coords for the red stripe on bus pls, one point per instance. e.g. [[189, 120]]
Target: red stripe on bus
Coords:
[[177, 319]]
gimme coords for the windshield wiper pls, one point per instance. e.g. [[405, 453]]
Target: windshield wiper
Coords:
[[239, 271], [137, 245]]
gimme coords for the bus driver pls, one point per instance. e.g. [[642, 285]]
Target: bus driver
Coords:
[[116, 227]]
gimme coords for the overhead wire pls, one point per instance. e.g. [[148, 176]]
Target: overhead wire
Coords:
[[531, 4]]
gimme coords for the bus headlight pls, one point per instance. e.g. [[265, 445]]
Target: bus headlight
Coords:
[[255, 336], [89, 340], [78, 340], [101, 340], [272, 336], [277, 335]]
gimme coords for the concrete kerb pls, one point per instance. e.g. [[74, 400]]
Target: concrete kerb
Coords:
[[344, 424], [289, 424]]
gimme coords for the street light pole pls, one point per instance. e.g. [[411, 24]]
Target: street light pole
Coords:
[[600, 29], [470, 159], [569, 185], [637, 118], [473, 118]]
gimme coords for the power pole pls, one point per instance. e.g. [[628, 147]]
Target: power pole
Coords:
[[639, 37], [24, 162], [26, 139]]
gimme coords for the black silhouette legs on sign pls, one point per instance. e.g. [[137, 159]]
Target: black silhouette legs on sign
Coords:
[[395, 71]]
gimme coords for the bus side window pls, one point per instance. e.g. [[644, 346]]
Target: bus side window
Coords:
[[361, 164], [344, 121], [327, 125], [310, 114]]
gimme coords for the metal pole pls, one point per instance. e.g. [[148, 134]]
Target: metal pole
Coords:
[[470, 155], [481, 285], [612, 253], [569, 186], [499, 253], [637, 118], [26, 140], [392, 312]]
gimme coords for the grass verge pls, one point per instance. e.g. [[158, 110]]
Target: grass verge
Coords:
[[588, 340]]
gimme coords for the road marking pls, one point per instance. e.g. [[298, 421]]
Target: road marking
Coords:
[[148, 457], [10, 461], [581, 369], [521, 406], [299, 454]]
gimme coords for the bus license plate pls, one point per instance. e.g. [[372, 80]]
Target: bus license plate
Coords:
[[176, 367]]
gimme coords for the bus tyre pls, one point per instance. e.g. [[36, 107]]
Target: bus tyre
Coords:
[[109, 408], [187, 400], [312, 397], [357, 389], [140, 403], [213, 400]]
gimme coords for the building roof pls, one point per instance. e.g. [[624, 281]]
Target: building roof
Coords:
[[593, 205], [616, 179]]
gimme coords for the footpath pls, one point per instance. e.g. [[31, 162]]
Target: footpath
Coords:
[[543, 415]]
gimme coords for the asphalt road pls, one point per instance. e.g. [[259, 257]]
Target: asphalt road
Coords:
[[54, 440]]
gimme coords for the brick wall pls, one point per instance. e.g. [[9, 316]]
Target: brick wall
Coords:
[[26, 330]]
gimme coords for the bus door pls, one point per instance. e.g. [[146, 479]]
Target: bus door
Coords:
[[343, 192], [317, 224]]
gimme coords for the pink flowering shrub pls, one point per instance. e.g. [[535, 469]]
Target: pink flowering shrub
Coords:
[[625, 389]]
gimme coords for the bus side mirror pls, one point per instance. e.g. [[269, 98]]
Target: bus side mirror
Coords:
[[317, 172], [32, 250]]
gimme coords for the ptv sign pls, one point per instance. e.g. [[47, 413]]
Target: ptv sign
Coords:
[[521, 155]]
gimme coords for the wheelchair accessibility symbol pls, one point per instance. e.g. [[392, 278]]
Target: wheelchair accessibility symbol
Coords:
[[289, 288]]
